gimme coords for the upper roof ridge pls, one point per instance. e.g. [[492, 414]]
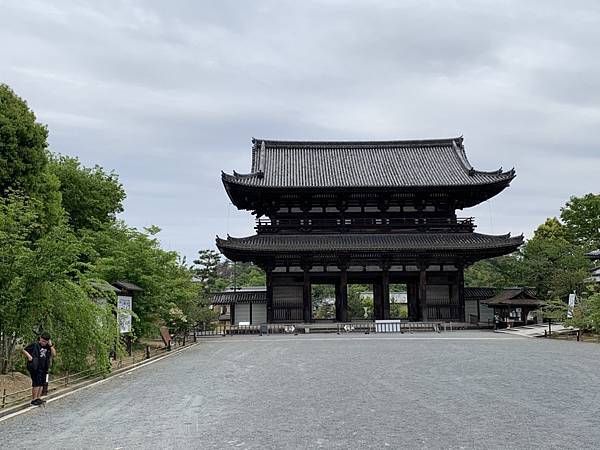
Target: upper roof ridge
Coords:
[[274, 143]]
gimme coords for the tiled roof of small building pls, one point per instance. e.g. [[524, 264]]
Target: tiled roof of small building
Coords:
[[515, 297], [368, 242], [227, 298], [594, 254], [424, 163], [480, 293], [127, 285]]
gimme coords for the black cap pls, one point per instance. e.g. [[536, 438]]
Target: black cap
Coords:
[[45, 335]]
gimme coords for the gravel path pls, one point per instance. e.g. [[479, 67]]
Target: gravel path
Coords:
[[473, 390]]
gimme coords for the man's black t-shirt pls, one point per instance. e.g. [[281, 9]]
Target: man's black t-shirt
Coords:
[[42, 353]]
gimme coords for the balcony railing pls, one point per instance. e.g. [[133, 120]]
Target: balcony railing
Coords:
[[266, 225]]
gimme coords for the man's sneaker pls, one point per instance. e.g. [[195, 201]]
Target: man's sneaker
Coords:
[[37, 402]]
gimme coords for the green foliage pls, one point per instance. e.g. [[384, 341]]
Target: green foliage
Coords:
[[356, 304], [39, 289], [57, 232], [553, 265], [501, 272], [23, 156], [208, 267], [91, 197], [587, 311], [581, 216], [119, 253], [323, 296], [247, 275], [24, 159]]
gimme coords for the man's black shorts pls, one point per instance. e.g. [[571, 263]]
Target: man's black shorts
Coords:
[[38, 378]]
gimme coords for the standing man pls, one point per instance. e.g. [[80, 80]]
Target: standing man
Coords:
[[38, 356]]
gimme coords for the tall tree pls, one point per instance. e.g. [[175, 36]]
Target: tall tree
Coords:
[[91, 197], [581, 216], [24, 157]]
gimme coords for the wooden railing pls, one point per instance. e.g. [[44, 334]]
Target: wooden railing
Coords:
[[267, 225]]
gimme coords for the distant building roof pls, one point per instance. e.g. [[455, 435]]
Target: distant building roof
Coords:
[[593, 255], [480, 293], [515, 297], [231, 297], [322, 164], [126, 285]]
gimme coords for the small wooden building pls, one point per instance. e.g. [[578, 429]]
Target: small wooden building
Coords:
[[512, 307], [246, 306]]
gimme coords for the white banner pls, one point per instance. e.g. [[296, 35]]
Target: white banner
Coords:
[[571, 306], [124, 304]]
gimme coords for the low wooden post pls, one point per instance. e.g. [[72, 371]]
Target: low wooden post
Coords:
[[147, 352], [67, 379], [3, 397]]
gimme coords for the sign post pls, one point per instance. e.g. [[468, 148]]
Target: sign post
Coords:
[[124, 307], [572, 299]]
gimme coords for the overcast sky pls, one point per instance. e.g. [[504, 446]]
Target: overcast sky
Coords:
[[169, 93]]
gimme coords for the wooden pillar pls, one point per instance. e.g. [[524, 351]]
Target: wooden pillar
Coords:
[[423, 291], [306, 296], [377, 302], [411, 294], [269, 280], [461, 291], [385, 293], [232, 314], [341, 295]]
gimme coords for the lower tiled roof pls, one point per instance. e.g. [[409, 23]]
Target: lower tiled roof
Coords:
[[368, 242], [227, 298]]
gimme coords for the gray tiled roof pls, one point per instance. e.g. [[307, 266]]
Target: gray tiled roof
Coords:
[[227, 298], [127, 285], [441, 162], [594, 254], [480, 293], [368, 242], [507, 297]]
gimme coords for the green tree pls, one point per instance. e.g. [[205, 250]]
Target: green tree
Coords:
[[24, 157], [208, 267], [119, 253], [40, 289], [552, 264], [586, 314], [500, 272], [581, 216], [91, 197]]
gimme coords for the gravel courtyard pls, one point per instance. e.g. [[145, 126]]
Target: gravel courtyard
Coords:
[[469, 390]]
